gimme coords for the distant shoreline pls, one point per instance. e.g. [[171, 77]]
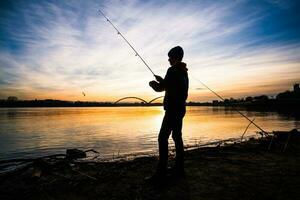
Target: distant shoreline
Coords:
[[271, 103], [241, 106], [288, 100]]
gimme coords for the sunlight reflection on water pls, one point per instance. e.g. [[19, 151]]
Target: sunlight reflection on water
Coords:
[[27, 132]]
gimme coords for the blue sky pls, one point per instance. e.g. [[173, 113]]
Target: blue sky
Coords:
[[57, 49]]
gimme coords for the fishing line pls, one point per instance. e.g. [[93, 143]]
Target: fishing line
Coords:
[[119, 33], [137, 54], [251, 121]]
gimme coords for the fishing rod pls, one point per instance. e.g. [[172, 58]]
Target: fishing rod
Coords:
[[119, 33], [137, 54]]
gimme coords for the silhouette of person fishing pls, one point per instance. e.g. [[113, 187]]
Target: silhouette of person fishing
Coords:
[[175, 84]]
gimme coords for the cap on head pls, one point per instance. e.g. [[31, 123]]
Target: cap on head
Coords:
[[176, 52]]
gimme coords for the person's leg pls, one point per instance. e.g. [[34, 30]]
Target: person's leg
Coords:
[[163, 137], [177, 137]]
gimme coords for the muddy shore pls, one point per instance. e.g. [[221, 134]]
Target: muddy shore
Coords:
[[247, 170]]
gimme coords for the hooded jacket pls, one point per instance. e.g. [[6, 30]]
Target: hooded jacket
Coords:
[[176, 85]]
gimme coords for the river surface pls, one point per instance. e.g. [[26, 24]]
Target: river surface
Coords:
[[33, 132]]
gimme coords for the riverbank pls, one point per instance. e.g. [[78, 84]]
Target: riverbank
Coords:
[[249, 170]]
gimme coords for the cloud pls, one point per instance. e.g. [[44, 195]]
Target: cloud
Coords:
[[65, 48]]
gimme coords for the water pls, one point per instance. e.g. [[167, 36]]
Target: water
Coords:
[[32, 132]]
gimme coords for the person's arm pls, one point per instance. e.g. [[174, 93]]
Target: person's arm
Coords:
[[160, 84]]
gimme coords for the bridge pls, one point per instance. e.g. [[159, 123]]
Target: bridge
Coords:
[[124, 98]]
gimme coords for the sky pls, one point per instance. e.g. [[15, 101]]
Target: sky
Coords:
[[59, 49]]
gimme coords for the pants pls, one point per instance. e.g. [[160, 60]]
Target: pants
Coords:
[[172, 122]]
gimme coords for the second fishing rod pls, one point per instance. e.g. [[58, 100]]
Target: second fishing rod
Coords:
[[137, 54]]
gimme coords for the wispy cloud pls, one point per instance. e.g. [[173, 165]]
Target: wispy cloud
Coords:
[[59, 49]]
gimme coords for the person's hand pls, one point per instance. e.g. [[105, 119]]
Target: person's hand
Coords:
[[158, 78], [152, 83]]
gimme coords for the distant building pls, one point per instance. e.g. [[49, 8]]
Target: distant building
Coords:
[[290, 95], [296, 87]]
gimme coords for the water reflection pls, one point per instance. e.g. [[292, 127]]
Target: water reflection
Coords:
[[39, 131]]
